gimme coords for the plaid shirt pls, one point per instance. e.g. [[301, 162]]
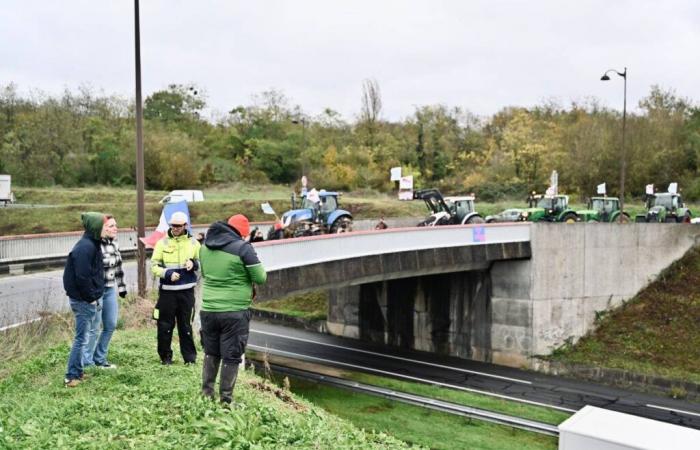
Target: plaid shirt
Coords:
[[112, 263]]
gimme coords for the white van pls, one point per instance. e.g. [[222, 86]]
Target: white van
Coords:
[[187, 195]]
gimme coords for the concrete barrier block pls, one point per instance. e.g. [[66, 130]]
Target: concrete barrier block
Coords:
[[16, 269]]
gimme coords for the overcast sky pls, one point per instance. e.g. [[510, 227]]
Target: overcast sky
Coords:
[[479, 55]]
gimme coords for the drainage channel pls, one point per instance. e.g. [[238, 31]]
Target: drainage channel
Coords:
[[424, 402]]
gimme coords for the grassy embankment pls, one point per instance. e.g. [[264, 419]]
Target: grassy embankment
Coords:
[[145, 405], [63, 206], [416, 425], [656, 333]]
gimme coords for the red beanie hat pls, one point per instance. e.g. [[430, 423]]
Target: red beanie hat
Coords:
[[240, 223]]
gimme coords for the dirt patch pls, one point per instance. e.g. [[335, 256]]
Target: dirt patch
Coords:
[[280, 393]]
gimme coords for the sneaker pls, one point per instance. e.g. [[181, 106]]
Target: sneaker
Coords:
[[84, 376], [71, 383], [106, 365]]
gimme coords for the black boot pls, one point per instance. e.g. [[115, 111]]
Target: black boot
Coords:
[[229, 372], [209, 370]]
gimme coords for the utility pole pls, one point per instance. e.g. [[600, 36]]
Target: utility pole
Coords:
[[140, 180]]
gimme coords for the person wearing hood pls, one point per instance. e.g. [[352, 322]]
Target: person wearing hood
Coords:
[[108, 309], [84, 283], [175, 261], [230, 266]]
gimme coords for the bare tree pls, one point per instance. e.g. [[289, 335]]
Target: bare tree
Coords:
[[371, 109]]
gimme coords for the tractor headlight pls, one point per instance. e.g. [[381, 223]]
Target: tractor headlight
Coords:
[[287, 221]]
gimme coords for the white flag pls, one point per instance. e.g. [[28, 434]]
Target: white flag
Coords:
[[673, 188], [554, 182], [601, 189], [395, 173], [267, 208], [406, 194], [312, 196], [649, 189]]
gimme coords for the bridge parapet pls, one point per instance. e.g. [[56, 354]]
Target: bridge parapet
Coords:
[[319, 262]]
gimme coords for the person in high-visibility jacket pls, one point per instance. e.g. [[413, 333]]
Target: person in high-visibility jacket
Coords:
[[175, 261]]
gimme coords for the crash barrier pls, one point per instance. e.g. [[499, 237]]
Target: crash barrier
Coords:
[[30, 252]]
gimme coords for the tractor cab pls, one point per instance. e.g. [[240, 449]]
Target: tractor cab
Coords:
[[550, 208], [447, 210], [665, 207], [317, 212]]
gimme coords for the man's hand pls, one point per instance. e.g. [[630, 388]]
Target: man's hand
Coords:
[[189, 265], [174, 277]]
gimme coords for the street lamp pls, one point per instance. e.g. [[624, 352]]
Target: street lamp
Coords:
[[623, 161]]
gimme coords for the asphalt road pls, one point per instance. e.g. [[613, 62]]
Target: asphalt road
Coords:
[[23, 297], [520, 385]]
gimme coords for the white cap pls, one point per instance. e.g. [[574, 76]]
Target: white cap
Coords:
[[179, 218]]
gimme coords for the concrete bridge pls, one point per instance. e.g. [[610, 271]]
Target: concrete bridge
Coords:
[[497, 293]]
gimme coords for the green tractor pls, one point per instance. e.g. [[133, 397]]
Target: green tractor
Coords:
[[548, 208], [665, 207], [603, 209]]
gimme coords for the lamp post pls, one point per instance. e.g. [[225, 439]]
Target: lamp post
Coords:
[[623, 160]]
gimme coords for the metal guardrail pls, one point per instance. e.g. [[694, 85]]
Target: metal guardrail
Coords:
[[424, 402]]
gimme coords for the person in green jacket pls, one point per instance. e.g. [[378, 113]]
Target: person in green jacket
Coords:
[[229, 266]]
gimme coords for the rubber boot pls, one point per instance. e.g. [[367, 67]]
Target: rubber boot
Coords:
[[229, 372], [209, 370]]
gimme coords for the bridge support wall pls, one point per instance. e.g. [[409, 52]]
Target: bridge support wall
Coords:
[[515, 309], [445, 313], [575, 272]]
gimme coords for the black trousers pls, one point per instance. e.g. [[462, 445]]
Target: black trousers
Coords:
[[225, 334], [176, 307]]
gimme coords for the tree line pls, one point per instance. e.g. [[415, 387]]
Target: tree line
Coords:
[[83, 138]]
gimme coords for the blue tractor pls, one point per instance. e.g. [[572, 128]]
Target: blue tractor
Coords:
[[309, 217]]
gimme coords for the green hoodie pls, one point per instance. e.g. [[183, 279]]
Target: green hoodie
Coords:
[[93, 222]]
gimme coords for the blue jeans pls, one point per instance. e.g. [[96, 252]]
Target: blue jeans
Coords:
[[84, 316], [107, 313]]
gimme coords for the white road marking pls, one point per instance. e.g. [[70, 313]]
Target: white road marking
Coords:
[[15, 325], [474, 372], [673, 409], [408, 377]]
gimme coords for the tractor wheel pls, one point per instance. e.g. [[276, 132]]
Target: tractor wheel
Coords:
[[342, 225], [686, 218], [593, 221], [570, 218], [475, 219], [670, 220]]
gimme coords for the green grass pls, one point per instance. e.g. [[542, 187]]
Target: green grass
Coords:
[[540, 414], [220, 203], [310, 306], [145, 405], [66, 204], [416, 425], [655, 333]]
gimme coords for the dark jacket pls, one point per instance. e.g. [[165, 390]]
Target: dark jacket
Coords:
[[83, 276]]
